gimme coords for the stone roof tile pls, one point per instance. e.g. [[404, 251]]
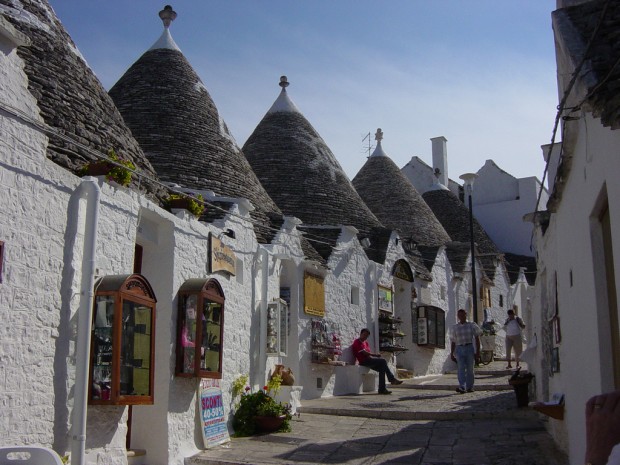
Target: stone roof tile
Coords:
[[172, 115], [302, 175], [77, 107]]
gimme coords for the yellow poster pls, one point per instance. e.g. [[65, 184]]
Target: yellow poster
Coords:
[[314, 295]]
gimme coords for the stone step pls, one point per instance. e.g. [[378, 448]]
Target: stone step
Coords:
[[452, 386], [420, 415], [403, 373]]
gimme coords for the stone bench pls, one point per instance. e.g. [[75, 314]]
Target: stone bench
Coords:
[[290, 395], [354, 379]]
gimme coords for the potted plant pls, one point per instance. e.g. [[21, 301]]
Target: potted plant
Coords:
[[114, 168], [258, 411], [193, 204]]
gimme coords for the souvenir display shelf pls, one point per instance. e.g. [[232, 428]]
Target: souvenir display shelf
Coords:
[[326, 347], [390, 334]]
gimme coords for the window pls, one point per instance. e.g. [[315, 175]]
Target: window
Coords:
[[429, 326], [355, 295], [501, 300], [277, 328], [200, 329], [122, 341], [485, 295]]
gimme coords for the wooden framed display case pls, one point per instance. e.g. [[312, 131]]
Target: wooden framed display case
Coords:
[[200, 329], [429, 326], [122, 341]]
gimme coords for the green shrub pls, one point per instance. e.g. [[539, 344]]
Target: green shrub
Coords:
[[260, 403]]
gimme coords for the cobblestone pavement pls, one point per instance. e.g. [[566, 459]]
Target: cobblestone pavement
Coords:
[[423, 422]]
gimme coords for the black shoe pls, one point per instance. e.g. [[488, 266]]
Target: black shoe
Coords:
[[460, 390], [470, 390], [396, 382], [385, 392]]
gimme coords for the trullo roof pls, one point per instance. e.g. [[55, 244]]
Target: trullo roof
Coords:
[[395, 202], [172, 115], [301, 173]]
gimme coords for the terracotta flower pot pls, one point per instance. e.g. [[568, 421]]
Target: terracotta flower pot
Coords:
[[268, 424], [98, 168], [179, 203]]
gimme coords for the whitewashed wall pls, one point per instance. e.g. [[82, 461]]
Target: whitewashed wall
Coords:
[[422, 177], [349, 267], [35, 282], [424, 360], [500, 202], [571, 246], [42, 227]]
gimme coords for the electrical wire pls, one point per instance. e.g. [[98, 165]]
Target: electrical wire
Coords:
[[567, 92], [313, 238]]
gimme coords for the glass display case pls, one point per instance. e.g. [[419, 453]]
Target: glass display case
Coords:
[[200, 327], [277, 328], [326, 346], [122, 341], [428, 326]]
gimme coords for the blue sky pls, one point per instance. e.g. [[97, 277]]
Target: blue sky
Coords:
[[479, 72]]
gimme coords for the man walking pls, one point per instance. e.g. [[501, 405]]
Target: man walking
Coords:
[[514, 326], [366, 358], [462, 338]]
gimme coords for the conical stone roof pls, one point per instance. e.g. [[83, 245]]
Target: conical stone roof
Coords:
[[300, 172], [395, 202], [454, 216], [69, 96], [177, 124]]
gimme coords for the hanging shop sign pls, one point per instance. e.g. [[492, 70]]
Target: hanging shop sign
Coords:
[[402, 270], [385, 299], [314, 295], [221, 257], [212, 414]]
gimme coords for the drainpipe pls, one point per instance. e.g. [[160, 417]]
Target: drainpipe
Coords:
[[89, 190], [375, 304], [262, 317]]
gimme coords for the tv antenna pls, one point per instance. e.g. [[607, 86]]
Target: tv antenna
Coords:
[[368, 148]]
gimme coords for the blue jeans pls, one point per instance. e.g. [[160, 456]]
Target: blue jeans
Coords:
[[465, 357], [379, 364]]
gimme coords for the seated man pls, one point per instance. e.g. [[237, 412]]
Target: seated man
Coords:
[[366, 358]]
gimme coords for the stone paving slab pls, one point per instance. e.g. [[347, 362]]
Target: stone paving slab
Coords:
[[374, 442], [411, 426]]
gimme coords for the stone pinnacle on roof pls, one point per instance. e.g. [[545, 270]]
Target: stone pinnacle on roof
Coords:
[[167, 15], [283, 102], [378, 152]]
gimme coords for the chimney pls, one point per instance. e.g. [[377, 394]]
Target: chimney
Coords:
[[440, 159]]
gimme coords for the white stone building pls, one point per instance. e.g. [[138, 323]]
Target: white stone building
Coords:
[[65, 240], [577, 235]]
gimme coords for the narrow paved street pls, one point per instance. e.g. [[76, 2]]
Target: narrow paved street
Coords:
[[423, 422]]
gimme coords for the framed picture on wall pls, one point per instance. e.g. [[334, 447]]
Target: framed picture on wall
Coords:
[[385, 299]]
